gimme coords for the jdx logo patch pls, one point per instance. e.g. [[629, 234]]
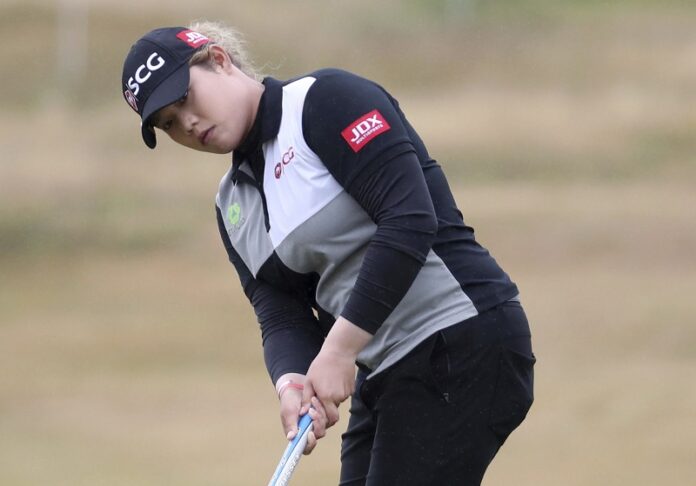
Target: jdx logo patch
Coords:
[[364, 129], [193, 39]]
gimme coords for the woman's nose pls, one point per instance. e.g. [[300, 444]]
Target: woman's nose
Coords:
[[188, 122]]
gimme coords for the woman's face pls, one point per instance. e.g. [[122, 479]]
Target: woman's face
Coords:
[[218, 110]]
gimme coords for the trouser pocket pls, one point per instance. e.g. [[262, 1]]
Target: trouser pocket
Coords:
[[439, 364], [514, 392]]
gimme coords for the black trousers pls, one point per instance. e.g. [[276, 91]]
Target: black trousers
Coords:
[[439, 415]]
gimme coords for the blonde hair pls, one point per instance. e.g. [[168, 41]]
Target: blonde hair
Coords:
[[230, 39]]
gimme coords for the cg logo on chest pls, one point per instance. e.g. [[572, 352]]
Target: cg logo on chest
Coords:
[[284, 160]]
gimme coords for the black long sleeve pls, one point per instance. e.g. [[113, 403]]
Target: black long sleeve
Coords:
[[290, 332], [383, 173]]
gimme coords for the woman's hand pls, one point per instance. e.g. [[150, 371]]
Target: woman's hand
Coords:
[[331, 376], [289, 388], [330, 379]]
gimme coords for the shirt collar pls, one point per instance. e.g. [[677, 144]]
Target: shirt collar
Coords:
[[266, 124]]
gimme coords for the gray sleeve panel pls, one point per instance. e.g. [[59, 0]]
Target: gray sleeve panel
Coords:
[[242, 210], [434, 301], [333, 243], [290, 332]]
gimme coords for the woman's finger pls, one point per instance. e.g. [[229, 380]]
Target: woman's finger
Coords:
[[331, 413], [307, 395], [311, 443], [318, 415]]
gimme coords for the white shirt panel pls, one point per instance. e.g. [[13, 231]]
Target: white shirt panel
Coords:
[[296, 182]]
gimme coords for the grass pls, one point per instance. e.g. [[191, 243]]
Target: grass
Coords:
[[125, 368], [528, 42]]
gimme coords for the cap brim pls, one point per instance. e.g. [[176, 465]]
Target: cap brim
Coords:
[[169, 91]]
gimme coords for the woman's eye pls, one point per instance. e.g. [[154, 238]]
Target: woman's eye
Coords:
[[182, 100], [166, 125]]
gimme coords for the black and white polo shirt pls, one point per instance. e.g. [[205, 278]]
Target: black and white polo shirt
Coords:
[[333, 207]]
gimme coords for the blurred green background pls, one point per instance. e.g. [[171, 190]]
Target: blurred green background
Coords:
[[128, 354]]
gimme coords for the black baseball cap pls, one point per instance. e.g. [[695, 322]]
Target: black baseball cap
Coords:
[[156, 72]]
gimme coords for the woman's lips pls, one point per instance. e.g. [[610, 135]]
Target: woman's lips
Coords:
[[205, 136]]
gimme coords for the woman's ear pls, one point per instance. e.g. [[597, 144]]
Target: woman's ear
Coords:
[[219, 58]]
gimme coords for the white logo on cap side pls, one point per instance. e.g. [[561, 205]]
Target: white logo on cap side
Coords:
[[135, 82], [131, 99]]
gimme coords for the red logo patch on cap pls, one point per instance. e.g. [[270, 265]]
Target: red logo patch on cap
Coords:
[[131, 99], [364, 129], [193, 39]]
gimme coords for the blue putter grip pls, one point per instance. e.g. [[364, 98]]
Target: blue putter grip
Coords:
[[292, 453]]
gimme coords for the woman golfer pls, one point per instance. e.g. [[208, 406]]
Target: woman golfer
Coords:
[[351, 249]]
